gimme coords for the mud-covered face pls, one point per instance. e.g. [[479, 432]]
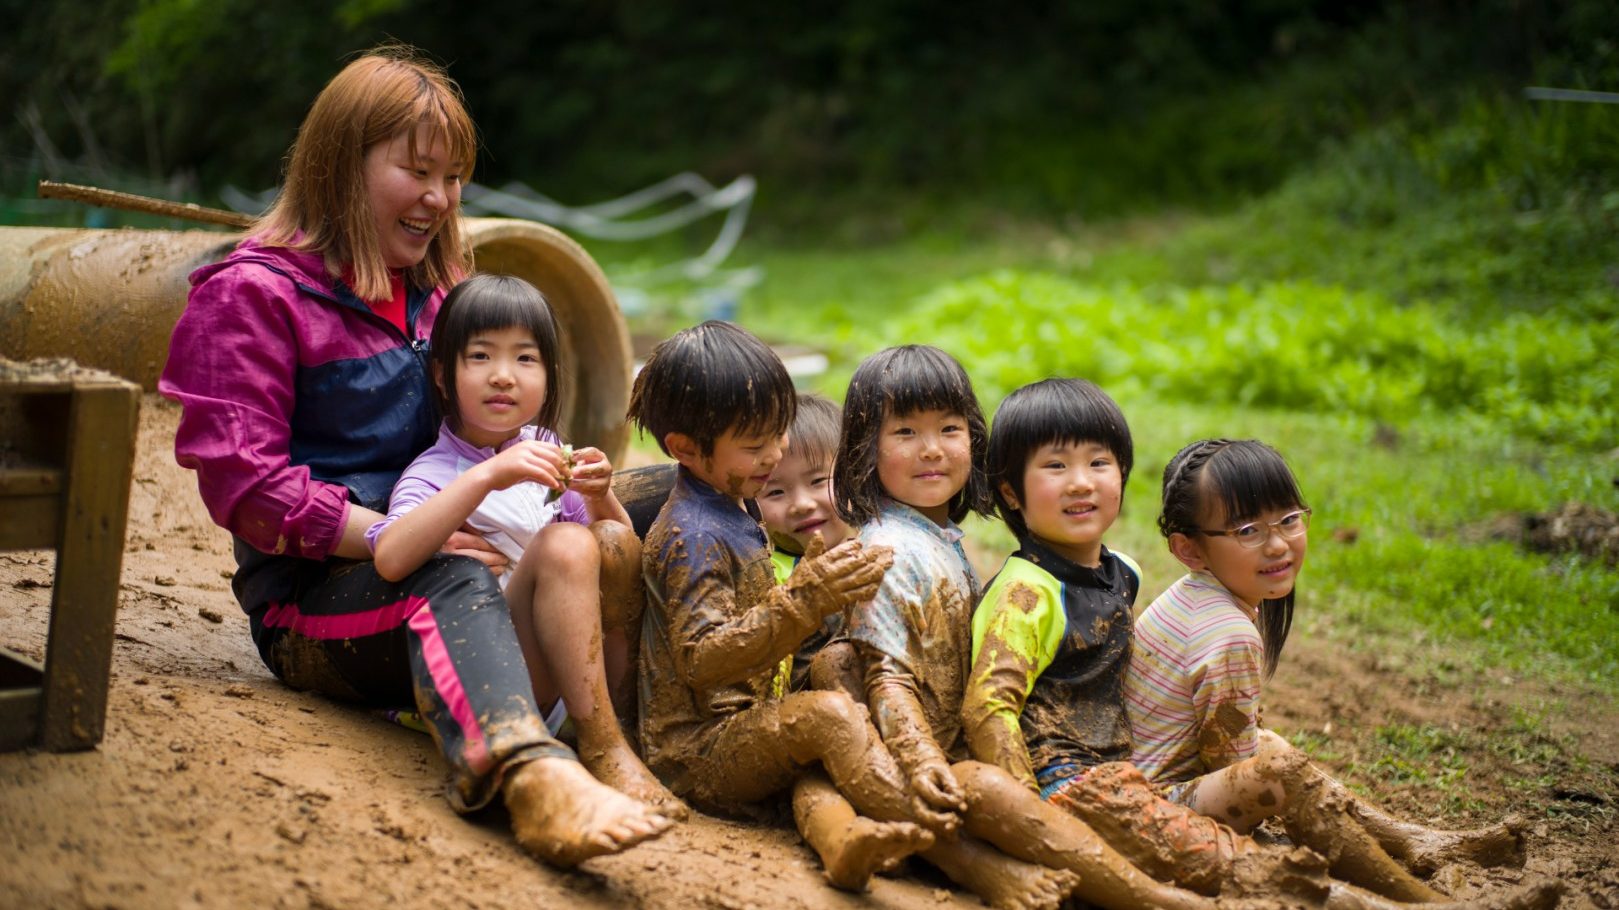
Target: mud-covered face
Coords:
[[797, 502], [740, 464], [499, 385], [924, 460], [1256, 574], [411, 196], [1071, 496]]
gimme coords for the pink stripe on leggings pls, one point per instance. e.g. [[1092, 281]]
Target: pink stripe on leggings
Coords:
[[343, 625], [474, 748]]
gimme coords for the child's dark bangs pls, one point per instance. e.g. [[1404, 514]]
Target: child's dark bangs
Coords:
[[922, 380], [1250, 479]]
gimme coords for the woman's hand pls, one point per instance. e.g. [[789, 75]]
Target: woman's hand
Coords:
[[467, 542]]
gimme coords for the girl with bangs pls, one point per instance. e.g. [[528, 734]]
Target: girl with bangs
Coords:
[[1233, 514], [300, 367]]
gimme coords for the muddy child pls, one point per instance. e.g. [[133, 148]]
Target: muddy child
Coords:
[[550, 510], [280, 361], [718, 626], [1051, 646], [1233, 515], [909, 467], [796, 506]]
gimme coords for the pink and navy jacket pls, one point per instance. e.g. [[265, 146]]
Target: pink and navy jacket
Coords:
[[297, 401]]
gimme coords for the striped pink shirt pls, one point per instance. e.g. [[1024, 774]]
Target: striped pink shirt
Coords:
[[1192, 689]]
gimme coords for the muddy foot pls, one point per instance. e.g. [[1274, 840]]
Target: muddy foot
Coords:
[[1540, 894], [1497, 845], [869, 847], [1033, 888], [564, 816], [1298, 873], [620, 768]]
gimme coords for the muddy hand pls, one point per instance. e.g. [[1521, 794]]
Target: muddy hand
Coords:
[[938, 787], [847, 574]]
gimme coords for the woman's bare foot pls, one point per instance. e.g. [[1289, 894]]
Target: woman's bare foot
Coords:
[[619, 767], [563, 815], [868, 847], [1497, 845]]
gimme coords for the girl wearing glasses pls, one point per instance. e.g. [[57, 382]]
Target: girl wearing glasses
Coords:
[[1233, 514]]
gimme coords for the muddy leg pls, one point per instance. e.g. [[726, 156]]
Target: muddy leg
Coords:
[[1541, 894], [564, 816], [828, 727], [622, 603], [1420, 848], [1321, 820], [1171, 842], [558, 576], [836, 668], [1002, 881], [1005, 813], [852, 847]]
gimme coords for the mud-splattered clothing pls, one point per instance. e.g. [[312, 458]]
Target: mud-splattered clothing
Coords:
[[1051, 642], [717, 626], [1193, 685], [915, 636], [299, 400], [507, 518], [831, 628]]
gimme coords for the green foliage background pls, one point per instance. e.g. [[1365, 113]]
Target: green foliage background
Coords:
[[1337, 227]]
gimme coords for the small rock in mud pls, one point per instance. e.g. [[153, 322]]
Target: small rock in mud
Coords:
[[210, 615], [167, 581]]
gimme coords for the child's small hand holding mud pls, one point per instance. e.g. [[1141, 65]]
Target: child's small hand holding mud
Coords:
[[830, 580]]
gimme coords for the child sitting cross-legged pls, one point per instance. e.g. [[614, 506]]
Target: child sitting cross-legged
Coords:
[[718, 625]]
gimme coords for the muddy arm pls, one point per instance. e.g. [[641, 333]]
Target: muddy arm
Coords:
[[1016, 634], [896, 711], [1226, 701], [721, 647]]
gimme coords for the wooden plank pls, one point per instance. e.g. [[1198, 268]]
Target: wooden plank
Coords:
[[29, 522], [19, 718], [29, 480], [89, 557]]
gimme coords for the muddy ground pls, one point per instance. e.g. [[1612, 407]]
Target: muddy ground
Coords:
[[217, 787]]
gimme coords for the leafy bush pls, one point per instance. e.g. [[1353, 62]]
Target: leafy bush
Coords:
[[1285, 345]]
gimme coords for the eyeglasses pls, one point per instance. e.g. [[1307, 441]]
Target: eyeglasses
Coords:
[[1255, 534]]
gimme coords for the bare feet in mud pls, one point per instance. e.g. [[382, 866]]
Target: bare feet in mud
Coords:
[[1497, 845], [1039, 889], [868, 847], [563, 815], [620, 768]]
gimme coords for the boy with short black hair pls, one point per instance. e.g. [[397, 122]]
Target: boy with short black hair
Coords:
[[718, 624]]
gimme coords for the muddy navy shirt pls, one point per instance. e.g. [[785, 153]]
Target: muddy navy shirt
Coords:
[[1051, 645], [717, 625]]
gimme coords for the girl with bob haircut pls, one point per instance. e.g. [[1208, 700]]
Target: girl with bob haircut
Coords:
[[1234, 516], [303, 393], [574, 592]]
